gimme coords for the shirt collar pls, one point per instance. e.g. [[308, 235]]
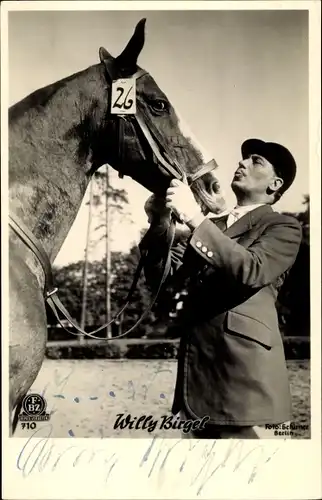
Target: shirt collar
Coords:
[[242, 210], [238, 210]]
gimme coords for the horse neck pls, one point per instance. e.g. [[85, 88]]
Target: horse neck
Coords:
[[50, 155]]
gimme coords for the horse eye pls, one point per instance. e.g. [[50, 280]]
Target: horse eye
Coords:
[[160, 105]]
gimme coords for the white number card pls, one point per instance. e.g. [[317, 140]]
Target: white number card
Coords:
[[123, 97]]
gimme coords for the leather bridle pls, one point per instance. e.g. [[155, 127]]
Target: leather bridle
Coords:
[[173, 170]]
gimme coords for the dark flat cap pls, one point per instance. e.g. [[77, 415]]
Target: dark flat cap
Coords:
[[279, 156]]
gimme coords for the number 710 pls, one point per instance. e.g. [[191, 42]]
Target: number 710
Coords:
[[28, 425]]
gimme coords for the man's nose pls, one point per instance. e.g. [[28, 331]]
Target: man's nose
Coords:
[[243, 163]]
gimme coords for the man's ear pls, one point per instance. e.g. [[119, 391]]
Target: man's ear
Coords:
[[275, 185]]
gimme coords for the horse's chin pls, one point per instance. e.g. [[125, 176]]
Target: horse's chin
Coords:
[[209, 203]]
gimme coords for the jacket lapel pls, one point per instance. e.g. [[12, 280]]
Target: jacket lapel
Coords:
[[247, 221]]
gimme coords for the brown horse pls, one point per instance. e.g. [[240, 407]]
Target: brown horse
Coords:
[[58, 137]]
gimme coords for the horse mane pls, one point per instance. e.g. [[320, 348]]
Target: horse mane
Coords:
[[40, 98]]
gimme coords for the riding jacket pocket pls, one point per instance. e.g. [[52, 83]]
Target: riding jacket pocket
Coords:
[[249, 328]]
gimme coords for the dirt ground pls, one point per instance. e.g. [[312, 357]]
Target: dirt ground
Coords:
[[85, 397]]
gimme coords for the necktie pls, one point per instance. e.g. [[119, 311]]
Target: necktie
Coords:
[[232, 217], [221, 222], [227, 220]]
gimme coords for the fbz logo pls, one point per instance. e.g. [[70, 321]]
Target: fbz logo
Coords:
[[34, 409]]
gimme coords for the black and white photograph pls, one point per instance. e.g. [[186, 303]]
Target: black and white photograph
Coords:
[[159, 168]]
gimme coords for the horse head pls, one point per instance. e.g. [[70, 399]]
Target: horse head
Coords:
[[121, 143]]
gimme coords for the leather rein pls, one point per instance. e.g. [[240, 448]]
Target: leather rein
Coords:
[[174, 170]]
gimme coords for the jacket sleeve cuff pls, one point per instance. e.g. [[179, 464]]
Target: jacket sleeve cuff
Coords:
[[201, 242]]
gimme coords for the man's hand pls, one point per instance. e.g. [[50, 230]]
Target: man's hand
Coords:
[[180, 199], [155, 208]]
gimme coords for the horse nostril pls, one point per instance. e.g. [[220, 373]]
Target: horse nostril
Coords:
[[210, 186], [214, 187]]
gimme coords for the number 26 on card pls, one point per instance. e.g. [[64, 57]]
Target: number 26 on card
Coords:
[[123, 97]]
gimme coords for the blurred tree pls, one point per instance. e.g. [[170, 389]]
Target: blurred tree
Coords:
[[118, 199], [294, 298], [106, 205]]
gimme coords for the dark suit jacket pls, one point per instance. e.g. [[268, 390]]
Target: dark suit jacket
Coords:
[[231, 364]]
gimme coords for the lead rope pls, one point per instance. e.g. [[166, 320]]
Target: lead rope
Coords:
[[52, 298], [56, 305]]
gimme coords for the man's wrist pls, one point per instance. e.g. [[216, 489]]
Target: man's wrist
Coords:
[[195, 221]]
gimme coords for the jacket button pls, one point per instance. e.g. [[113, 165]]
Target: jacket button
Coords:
[[209, 254], [198, 244], [204, 249]]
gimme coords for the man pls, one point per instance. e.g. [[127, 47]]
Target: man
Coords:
[[231, 364]]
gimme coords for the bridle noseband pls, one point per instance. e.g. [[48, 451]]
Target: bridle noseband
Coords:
[[173, 169]]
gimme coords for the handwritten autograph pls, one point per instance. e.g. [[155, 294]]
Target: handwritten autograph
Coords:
[[213, 459], [61, 382], [41, 454]]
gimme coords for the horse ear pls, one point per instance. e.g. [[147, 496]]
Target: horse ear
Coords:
[[128, 58], [104, 54]]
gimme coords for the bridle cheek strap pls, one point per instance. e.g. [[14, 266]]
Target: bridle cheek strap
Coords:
[[205, 169], [173, 168]]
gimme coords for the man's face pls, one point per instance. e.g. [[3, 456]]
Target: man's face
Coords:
[[253, 175]]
